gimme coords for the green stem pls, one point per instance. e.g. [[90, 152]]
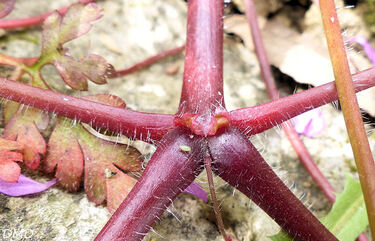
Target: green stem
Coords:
[[352, 115]]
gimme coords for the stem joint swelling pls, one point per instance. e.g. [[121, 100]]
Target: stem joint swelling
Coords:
[[203, 125]]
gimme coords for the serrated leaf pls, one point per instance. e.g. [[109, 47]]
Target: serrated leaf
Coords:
[[72, 148], [6, 6], [69, 71], [348, 216], [65, 153], [77, 21], [76, 72], [99, 155], [24, 128], [118, 187], [50, 33], [10, 145], [9, 170], [9, 109], [58, 30]]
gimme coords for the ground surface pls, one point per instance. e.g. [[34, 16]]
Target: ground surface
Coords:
[[129, 32]]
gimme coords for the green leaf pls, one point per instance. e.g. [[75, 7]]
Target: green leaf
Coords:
[[348, 216], [58, 30]]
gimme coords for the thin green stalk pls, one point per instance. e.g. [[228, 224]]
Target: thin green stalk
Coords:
[[352, 115]]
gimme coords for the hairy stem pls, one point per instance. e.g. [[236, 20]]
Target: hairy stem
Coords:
[[256, 119], [238, 162], [202, 90], [168, 173], [352, 115], [149, 126], [220, 223], [272, 91], [134, 124], [149, 61], [32, 21]]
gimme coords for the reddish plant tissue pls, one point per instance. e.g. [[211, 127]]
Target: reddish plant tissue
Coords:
[[202, 130], [6, 6], [10, 152]]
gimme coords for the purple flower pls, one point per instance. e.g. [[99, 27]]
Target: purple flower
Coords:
[[197, 191], [24, 186], [370, 52], [310, 123]]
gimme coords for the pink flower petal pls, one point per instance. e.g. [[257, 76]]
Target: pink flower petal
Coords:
[[197, 191], [370, 52], [24, 186], [310, 124]]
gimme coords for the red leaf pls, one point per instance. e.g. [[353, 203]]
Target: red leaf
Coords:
[[6, 6], [65, 153], [9, 170], [100, 155], [118, 187], [10, 156], [72, 148], [31, 157], [23, 128], [10, 145]]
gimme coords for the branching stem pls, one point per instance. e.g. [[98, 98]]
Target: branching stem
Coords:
[[259, 118], [134, 124], [202, 90], [272, 91], [32, 21]]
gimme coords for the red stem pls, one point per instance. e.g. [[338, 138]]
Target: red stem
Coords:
[[168, 173], [149, 61], [256, 119], [290, 132], [308, 162], [143, 126], [260, 51], [148, 126], [211, 185], [33, 21], [14, 62], [202, 89], [238, 162]]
